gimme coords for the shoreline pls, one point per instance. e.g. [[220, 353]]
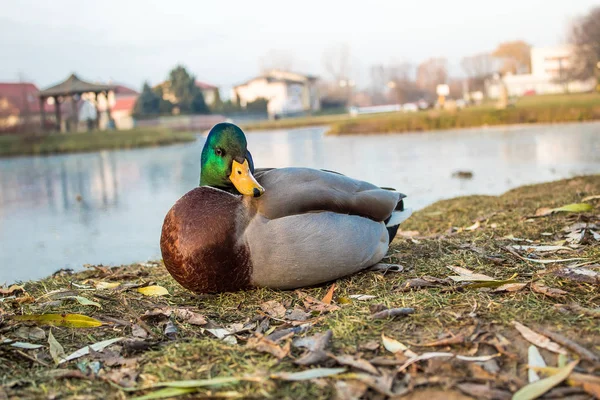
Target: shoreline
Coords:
[[527, 110], [22, 145]]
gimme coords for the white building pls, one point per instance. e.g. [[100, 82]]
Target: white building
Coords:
[[286, 92], [549, 74]]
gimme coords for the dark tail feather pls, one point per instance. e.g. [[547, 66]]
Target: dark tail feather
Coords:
[[393, 230]]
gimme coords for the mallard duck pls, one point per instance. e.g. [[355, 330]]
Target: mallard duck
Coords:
[[280, 228]]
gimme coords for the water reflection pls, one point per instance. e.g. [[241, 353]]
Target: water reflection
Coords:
[[107, 207]]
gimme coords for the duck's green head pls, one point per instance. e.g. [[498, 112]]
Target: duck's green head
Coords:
[[226, 162]]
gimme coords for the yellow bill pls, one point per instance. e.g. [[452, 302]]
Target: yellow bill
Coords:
[[242, 179]]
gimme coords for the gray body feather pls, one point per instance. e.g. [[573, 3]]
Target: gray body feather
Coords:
[[313, 226], [308, 249]]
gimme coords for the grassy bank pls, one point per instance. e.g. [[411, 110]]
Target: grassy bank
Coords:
[[14, 145], [433, 120], [530, 109], [485, 234]]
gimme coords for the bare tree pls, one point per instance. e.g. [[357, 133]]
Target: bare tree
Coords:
[[432, 72], [585, 36], [337, 63], [401, 80], [516, 56], [336, 60], [277, 59], [478, 68], [379, 83]]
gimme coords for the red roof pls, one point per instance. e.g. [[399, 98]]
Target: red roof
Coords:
[[22, 97], [121, 90], [205, 86], [124, 103]]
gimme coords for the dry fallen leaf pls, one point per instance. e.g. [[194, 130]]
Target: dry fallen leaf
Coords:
[[182, 314], [538, 388], [588, 198], [11, 290], [297, 315], [99, 346], [316, 346], [124, 377], [548, 291], [349, 390], [312, 304], [466, 275], [308, 374], [538, 340], [540, 249], [510, 287], [107, 285], [473, 227], [30, 333], [483, 391], [138, 331], [362, 297], [355, 362], [427, 356], [190, 317], [570, 344], [393, 312], [589, 383], [22, 345], [394, 346], [273, 308], [329, 296], [458, 339], [56, 350], [264, 345], [417, 283], [534, 359]]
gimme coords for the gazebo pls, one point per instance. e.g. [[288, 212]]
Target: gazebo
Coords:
[[69, 88]]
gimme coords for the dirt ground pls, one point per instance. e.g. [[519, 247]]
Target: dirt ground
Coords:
[[475, 290]]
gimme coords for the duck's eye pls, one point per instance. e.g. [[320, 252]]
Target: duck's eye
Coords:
[[219, 151]]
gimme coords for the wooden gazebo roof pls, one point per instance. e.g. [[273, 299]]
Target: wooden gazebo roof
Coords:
[[73, 85]]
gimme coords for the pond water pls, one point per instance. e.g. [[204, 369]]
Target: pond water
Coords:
[[107, 207]]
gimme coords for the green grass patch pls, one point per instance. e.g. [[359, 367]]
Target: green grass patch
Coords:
[[53, 143]]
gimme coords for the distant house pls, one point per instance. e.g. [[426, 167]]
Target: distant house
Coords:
[[210, 92], [287, 93], [19, 107], [549, 74]]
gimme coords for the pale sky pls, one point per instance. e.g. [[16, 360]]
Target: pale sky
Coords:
[[221, 42]]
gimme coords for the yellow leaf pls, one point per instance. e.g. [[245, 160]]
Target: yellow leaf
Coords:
[[68, 320], [576, 208], [329, 296], [107, 285], [153, 291], [538, 388]]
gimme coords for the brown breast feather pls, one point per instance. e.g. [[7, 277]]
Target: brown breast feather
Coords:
[[199, 242]]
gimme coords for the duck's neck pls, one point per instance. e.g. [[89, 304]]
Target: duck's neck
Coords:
[[208, 179]]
